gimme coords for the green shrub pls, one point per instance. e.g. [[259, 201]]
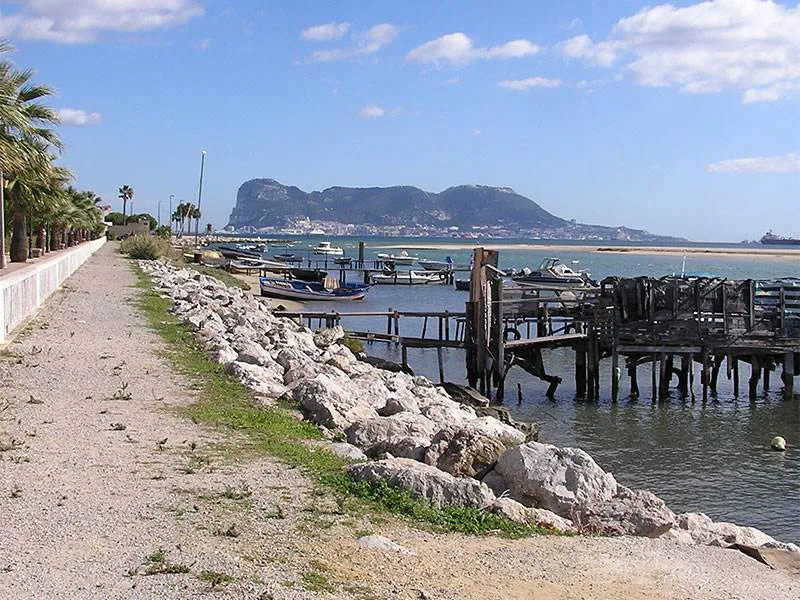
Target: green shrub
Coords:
[[355, 345], [145, 247]]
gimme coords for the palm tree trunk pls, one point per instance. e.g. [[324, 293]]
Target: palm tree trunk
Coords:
[[40, 238], [19, 238], [124, 207], [52, 240]]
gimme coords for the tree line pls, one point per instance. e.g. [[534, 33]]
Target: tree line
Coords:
[[44, 210]]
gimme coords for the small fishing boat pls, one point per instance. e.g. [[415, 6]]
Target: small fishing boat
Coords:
[[435, 265], [408, 278], [298, 289], [344, 261], [236, 251], [462, 285], [553, 272], [325, 249], [288, 258], [398, 259]]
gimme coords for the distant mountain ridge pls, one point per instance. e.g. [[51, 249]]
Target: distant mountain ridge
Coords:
[[264, 203]]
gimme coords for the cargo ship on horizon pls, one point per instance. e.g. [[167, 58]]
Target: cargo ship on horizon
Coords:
[[771, 238]]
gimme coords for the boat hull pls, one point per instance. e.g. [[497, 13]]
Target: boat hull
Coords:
[[294, 290]]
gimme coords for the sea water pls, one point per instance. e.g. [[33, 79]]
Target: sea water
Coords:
[[710, 457]]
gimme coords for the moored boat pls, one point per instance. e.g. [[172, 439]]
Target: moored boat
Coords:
[[435, 265], [552, 272], [298, 289], [398, 259], [287, 257], [325, 249], [408, 278]]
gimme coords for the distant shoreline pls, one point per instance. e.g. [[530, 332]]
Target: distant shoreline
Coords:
[[671, 250]]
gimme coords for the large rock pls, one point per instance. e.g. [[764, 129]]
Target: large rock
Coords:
[[327, 401], [464, 452], [425, 482], [259, 379], [630, 512], [491, 427], [698, 528], [519, 513], [325, 337], [562, 480], [404, 434]]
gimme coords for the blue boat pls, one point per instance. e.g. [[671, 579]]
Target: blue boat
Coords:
[[297, 289]]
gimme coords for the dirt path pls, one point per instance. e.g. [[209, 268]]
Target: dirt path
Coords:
[[102, 483]]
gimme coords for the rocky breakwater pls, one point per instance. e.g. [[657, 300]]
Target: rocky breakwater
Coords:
[[407, 432]]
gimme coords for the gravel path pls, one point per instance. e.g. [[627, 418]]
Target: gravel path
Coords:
[[102, 483]]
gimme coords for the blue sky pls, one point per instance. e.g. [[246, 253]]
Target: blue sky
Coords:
[[681, 119]]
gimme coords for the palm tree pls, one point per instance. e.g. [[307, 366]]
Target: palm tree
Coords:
[[125, 194], [26, 146]]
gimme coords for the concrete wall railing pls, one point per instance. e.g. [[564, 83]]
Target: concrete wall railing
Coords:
[[22, 292]]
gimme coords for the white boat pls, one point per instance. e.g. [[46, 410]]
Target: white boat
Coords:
[[398, 259], [325, 249], [408, 278]]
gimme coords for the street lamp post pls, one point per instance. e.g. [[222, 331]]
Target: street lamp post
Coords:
[[199, 198], [171, 196]]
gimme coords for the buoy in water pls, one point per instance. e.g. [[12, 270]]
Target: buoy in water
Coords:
[[778, 443]]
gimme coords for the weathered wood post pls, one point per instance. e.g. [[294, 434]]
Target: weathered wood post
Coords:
[[632, 373], [479, 311], [735, 369], [755, 375], [654, 377], [614, 374], [361, 255], [683, 380], [497, 341], [788, 375], [580, 370]]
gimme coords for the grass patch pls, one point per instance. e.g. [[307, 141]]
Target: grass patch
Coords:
[[225, 402], [215, 578], [158, 564]]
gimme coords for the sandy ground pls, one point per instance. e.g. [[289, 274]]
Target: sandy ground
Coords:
[[609, 248], [103, 482]]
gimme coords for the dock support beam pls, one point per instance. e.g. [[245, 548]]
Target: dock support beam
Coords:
[[614, 375], [580, 372], [634, 381], [788, 375], [755, 375]]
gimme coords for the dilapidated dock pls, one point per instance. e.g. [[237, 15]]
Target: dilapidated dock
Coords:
[[671, 324]]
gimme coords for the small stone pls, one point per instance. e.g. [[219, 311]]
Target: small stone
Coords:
[[378, 542], [778, 444]]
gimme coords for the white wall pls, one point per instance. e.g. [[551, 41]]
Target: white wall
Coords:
[[22, 292]]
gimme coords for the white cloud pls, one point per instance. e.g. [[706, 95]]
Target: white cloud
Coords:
[[364, 43], [458, 49], [323, 33], [78, 118], [81, 21], [787, 163], [476, 132], [581, 46], [710, 46], [521, 85], [371, 111], [204, 45]]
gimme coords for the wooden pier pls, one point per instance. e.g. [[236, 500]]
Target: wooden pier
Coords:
[[671, 323], [681, 331]]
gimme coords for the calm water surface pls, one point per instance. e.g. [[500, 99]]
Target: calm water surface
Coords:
[[709, 457]]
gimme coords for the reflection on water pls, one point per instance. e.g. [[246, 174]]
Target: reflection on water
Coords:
[[712, 457]]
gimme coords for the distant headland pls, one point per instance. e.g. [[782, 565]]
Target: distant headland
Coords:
[[266, 205]]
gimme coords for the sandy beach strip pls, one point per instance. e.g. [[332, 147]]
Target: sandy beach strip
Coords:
[[743, 252]]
